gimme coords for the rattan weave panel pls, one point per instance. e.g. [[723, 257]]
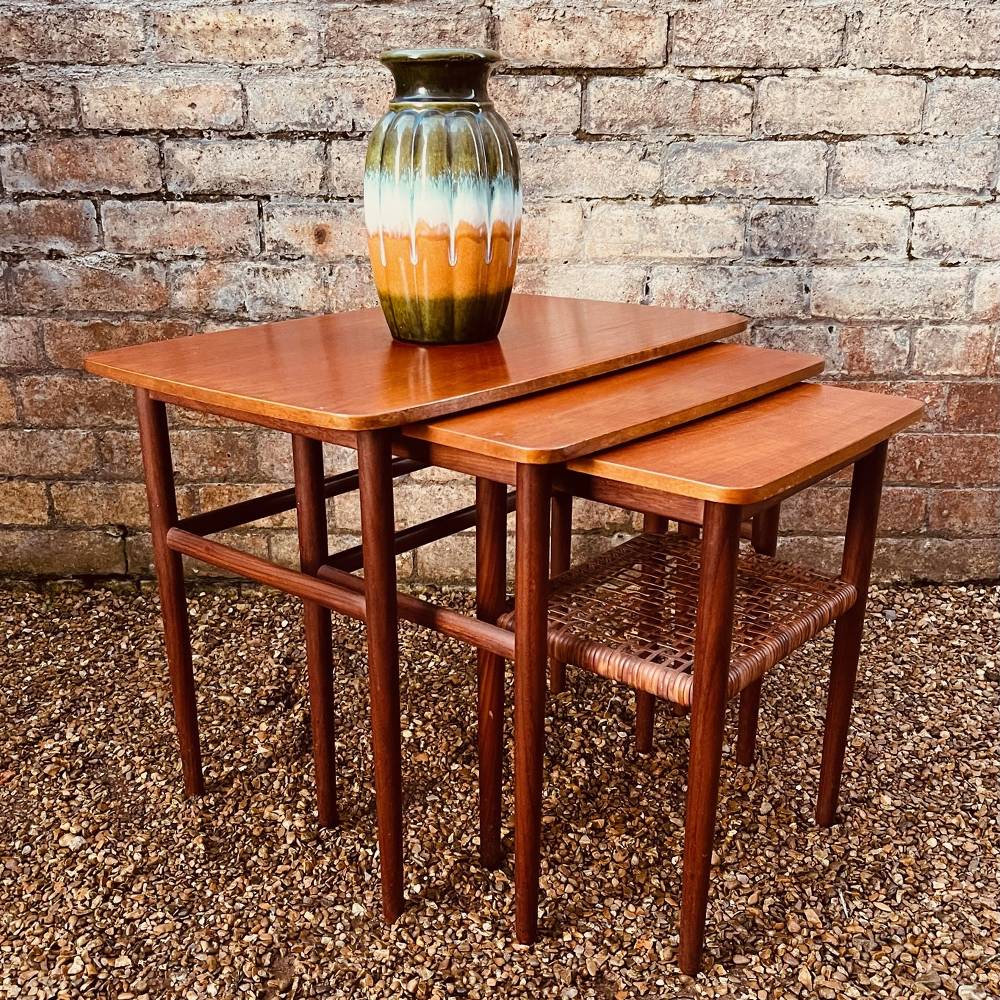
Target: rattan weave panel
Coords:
[[630, 614]]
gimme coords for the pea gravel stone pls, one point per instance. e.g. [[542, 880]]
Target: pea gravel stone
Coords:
[[113, 886]]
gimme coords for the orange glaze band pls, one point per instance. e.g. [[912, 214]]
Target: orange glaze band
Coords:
[[434, 276]]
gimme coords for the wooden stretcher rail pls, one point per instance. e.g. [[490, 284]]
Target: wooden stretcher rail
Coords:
[[419, 534], [340, 592], [246, 511]]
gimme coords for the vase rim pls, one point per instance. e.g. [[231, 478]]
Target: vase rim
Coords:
[[392, 56]]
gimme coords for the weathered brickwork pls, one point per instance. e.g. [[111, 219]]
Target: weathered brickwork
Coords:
[[828, 167]]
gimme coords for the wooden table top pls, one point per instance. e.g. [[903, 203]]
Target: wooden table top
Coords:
[[587, 416], [345, 371], [761, 449]]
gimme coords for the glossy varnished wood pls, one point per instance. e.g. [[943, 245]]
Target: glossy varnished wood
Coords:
[[310, 511], [378, 530], [856, 565], [345, 372], [491, 599], [764, 537], [159, 471], [713, 643], [759, 450], [598, 413], [531, 588]]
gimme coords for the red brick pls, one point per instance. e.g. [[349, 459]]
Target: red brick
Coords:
[[96, 504], [250, 34], [952, 350], [8, 407], [611, 282], [27, 105], [823, 509], [350, 286], [326, 231], [99, 284], [67, 341], [119, 165], [333, 99], [974, 406], [19, 342], [23, 502], [215, 229], [933, 459], [935, 559], [540, 34], [345, 172], [755, 35], [79, 36], [244, 166], [538, 105], [362, 31], [870, 350], [66, 226], [61, 552], [964, 512], [161, 101], [199, 455], [248, 288], [74, 401], [47, 453]]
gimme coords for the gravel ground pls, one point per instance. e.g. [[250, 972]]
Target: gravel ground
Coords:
[[113, 886]]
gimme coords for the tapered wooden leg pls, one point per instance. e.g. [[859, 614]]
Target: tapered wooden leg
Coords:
[[859, 547], [491, 596], [765, 541], [562, 544], [310, 505], [531, 595], [155, 443], [713, 638], [377, 539], [645, 703]]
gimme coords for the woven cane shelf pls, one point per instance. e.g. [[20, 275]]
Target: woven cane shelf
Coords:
[[629, 614]]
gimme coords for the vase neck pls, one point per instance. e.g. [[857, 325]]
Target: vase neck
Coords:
[[432, 76]]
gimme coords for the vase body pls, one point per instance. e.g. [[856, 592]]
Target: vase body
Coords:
[[442, 200]]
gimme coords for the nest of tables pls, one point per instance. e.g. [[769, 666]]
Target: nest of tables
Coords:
[[629, 614]]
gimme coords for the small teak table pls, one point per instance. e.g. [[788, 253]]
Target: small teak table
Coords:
[[567, 379]]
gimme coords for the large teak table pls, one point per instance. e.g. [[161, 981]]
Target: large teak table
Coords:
[[342, 379]]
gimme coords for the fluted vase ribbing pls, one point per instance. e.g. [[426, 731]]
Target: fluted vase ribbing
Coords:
[[442, 199]]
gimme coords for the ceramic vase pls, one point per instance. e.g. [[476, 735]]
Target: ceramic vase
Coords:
[[442, 199]]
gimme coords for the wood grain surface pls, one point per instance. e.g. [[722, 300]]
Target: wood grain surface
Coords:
[[573, 420], [761, 449], [345, 371]]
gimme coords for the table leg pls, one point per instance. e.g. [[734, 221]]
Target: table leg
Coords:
[[562, 544], [713, 638], [765, 541], [378, 526], [859, 547], [310, 505], [491, 598], [154, 440], [645, 703], [530, 656]]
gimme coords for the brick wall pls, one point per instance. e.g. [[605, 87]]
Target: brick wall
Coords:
[[828, 168]]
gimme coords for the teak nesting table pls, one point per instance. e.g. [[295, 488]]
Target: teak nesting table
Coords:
[[556, 407]]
